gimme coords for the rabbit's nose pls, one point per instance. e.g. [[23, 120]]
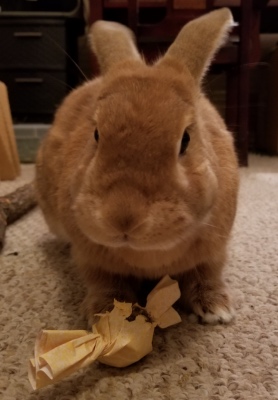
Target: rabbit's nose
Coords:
[[124, 210], [125, 222]]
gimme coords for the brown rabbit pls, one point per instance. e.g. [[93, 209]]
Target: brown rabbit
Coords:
[[139, 172]]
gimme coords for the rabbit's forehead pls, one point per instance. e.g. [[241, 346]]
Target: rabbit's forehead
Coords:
[[150, 86], [145, 102]]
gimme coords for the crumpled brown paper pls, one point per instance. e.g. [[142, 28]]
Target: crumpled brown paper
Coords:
[[119, 338]]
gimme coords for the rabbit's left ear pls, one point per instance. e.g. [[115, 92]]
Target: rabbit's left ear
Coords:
[[112, 43], [198, 41]]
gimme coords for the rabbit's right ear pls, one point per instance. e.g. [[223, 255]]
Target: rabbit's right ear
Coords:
[[112, 43], [198, 41]]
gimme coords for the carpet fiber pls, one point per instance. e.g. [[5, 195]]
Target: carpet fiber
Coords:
[[39, 289]]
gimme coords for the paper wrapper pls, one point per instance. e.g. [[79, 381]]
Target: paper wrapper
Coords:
[[119, 338]]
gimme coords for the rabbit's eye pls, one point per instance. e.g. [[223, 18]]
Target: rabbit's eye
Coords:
[[96, 135], [184, 142]]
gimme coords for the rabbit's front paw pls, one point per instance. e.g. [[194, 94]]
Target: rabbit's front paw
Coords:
[[212, 305], [92, 306], [100, 299]]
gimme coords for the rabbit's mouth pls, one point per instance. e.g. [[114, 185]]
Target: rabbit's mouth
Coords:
[[145, 242]]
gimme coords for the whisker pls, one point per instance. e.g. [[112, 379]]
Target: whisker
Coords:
[[205, 223], [67, 54], [213, 226], [255, 64], [60, 81]]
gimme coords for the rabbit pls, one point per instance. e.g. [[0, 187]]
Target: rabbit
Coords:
[[140, 175]]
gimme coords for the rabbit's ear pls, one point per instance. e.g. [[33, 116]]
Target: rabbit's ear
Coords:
[[199, 40], [112, 42]]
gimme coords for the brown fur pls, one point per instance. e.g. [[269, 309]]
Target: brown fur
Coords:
[[177, 211]]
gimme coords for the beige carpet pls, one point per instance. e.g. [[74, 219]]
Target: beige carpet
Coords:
[[39, 289]]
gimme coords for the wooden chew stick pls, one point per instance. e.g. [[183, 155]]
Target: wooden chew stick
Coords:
[[14, 205]]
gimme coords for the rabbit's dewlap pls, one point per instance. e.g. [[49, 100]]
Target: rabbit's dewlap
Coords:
[[138, 171]]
